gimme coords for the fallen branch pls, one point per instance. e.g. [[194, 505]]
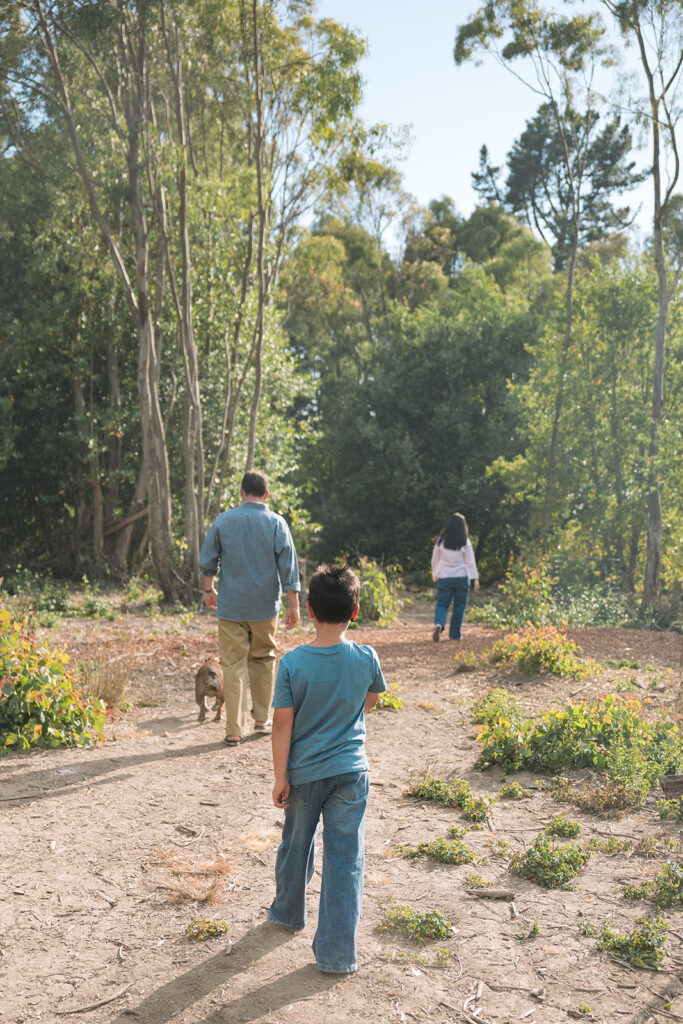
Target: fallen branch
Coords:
[[93, 1006], [491, 894]]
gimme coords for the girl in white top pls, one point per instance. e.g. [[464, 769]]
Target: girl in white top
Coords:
[[453, 566]]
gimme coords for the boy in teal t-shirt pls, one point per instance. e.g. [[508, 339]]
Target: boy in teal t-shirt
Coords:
[[322, 692]]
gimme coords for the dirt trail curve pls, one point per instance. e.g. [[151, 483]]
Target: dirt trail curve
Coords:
[[91, 918]]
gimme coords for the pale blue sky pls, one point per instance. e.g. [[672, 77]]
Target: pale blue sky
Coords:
[[411, 78]]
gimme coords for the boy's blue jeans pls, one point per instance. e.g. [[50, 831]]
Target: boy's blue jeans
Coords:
[[456, 589], [341, 800]]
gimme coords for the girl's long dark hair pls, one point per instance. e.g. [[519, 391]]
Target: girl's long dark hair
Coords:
[[455, 533]]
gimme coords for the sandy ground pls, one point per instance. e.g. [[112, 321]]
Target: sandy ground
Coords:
[[100, 849]]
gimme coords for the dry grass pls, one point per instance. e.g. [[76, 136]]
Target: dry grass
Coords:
[[193, 879], [104, 676]]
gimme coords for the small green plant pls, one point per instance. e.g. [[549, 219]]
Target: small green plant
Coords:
[[549, 865], [611, 847], [542, 649], [643, 947], [625, 685], [531, 932], [452, 794], [664, 890], [420, 926], [602, 797], [561, 826], [622, 663], [455, 832], [200, 929], [670, 810], [513, 791], [653, 845], [390, 699], [500, 848], [446, 851], [475, 881], [466, 661], [584, 1009]]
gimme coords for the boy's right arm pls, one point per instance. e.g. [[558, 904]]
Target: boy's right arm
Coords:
[[283, 721]]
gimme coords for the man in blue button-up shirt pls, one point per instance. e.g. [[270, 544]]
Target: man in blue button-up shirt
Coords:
[[257, 562]]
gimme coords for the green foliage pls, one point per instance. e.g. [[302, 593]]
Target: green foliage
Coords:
[[420, 926], [561, 826], [542, 649], [664, 890], [549, 865], [611, 734], [452, 794], [642, 947], [445, 852], [475, 881], [611, 846], [513, 791], [601, 796], [670, 810], [390, 698], [379, 592], [531, 932], [39, 703], [202, 928], [497, 704]]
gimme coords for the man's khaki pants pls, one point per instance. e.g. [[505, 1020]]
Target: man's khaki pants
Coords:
[[247, 651]]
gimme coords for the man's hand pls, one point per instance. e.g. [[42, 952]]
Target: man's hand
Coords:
[[292, 613], [210, 599], [280, 793], [476, 585]]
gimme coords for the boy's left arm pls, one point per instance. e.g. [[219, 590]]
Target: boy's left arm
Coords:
[[283, 722], [377, 686]]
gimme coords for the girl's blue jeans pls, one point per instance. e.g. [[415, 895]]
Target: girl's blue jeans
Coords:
[[455, 589], [341, 800]]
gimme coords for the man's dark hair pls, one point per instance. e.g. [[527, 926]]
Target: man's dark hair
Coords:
[[254, 483], [333, 592], [455, 533]]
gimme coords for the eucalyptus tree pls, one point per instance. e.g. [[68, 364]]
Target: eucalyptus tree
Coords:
[[562, 54], [655, 29]]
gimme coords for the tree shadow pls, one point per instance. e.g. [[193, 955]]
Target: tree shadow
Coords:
[[194, 985]]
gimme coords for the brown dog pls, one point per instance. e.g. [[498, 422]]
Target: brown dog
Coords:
[[209, 683]]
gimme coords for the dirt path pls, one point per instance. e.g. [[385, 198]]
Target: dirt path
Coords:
[[89, 841]]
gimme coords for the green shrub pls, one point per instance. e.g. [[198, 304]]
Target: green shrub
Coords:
[[379, 591], [611, 734], [497, 704], [562, 827], [670, 810], [389, 699], [39, 703], [549, 865], [542, 649], [643, 947], [200, 929], [447, 852], [452, 794], [420, 926], [664, 890], [513, 791]]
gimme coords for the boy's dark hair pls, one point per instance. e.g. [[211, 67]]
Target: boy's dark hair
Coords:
[[333, 592], [455, 533], [254, 483]]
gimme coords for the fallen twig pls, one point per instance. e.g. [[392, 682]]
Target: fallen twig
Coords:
[[491, 894], [93, 1006]]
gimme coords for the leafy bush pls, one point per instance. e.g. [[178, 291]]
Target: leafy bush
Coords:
[[513, 791], [379, 591], [665, 889], [497, 704], [443, 851], [420, 926], [200, 929], [643, 947], [611, 734], [548, 864], [39, 703], [670, 810], [542, 649], [452, 794], [561, 826], [390, 699]]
